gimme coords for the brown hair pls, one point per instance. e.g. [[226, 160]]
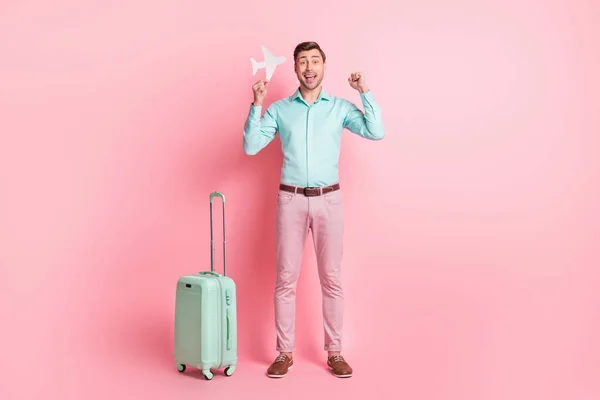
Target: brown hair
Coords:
[[306, 46]]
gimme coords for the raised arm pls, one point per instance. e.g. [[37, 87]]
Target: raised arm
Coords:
[[368, 124], [259, 131]]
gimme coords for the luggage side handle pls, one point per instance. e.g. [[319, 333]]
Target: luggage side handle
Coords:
[[228, 340], [212, 245]]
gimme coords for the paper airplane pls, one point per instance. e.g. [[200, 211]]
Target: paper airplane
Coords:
[[270, 62]]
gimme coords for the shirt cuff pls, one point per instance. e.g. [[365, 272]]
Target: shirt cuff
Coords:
[[367, 95], [254, 110]]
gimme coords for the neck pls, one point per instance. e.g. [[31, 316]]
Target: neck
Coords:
[[310, 95]]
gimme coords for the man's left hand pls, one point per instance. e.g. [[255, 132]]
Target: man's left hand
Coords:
[[357, 82]]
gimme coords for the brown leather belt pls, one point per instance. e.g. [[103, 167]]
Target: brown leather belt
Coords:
[[310, 191]]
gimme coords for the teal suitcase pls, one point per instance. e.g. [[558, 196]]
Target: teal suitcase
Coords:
[[205, 315]]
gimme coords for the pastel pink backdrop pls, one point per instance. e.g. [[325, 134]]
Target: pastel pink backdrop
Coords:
[[471, 256]]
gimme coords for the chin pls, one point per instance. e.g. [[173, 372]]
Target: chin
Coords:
[[312, 85]]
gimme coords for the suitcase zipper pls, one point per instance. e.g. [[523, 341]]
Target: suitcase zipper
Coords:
[[220, 324]]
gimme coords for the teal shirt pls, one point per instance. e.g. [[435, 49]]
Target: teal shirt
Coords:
[[311, 135]]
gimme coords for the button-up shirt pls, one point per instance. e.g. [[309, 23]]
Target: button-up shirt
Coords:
[[311, 134]]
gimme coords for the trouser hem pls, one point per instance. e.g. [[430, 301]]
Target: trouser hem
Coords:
[[285, 349]]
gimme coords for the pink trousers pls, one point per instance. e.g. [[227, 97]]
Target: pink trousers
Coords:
[[296, 216]]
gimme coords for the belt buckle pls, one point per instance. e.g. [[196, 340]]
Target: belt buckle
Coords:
[[310, 188]]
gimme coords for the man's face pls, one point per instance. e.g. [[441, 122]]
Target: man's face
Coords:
[[310, 68]]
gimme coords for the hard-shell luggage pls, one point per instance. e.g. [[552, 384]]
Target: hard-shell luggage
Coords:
[[205, 315]]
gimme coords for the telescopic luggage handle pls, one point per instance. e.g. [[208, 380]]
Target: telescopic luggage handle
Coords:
[[212, 245]]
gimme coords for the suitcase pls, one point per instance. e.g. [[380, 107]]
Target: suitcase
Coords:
[[205, 315]]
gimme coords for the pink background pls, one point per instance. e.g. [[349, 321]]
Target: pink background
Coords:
[[471, 261]]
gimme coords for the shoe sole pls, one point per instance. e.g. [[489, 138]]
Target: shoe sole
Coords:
[[338, 375], [280, 376]]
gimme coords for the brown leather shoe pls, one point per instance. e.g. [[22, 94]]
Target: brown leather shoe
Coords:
[[280, 366], [339, 367]]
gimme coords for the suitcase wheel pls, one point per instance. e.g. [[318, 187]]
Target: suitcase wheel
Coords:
[[208, 375], [229, 370], [180, 367]]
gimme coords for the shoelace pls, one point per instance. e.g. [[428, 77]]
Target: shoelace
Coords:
[[281, 358], [337, 358]]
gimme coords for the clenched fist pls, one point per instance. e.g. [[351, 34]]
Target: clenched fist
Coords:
[[260, 91], [357, 82]]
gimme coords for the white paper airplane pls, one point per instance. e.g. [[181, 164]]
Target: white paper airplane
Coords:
[[269, 63]]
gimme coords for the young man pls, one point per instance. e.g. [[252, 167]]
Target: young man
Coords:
[[310, 123]]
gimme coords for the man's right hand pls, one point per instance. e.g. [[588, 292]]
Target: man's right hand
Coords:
[[260, 91]]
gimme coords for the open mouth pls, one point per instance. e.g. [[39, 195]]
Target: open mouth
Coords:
[[310, 78]]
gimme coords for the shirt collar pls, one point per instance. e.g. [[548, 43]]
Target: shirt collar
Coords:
[[323, 95]]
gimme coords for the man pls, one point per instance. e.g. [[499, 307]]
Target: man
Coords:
[[310, 123]]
